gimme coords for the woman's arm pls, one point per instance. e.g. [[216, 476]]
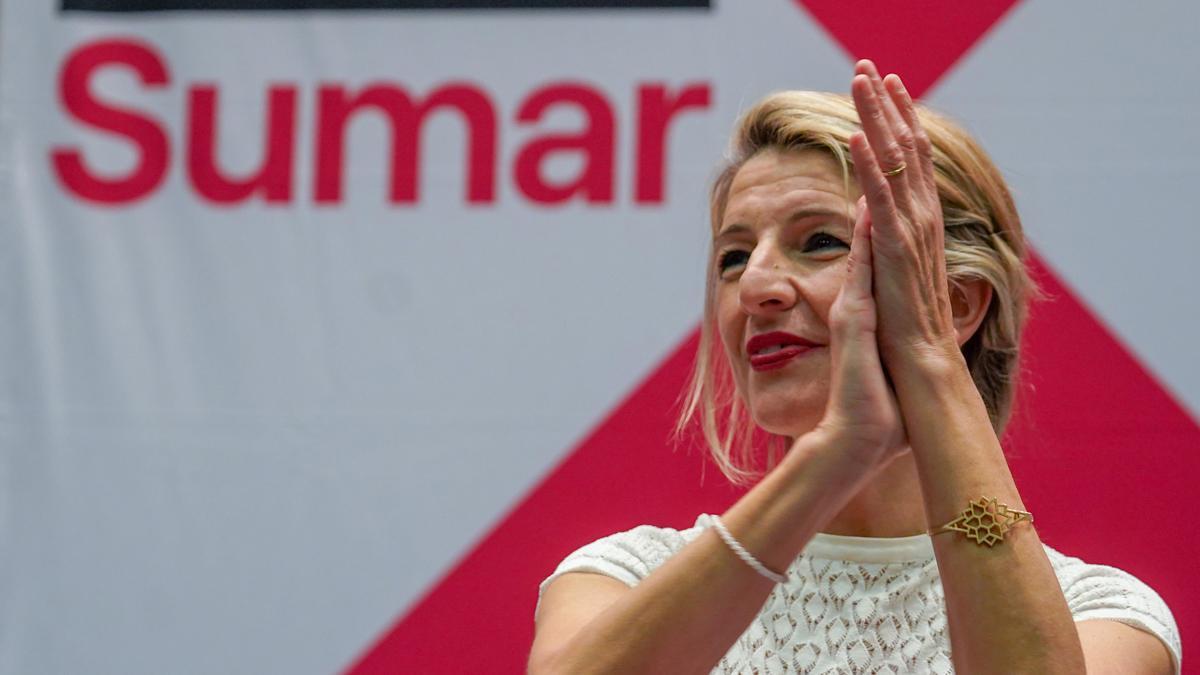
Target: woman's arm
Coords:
[[687, 614], [1005, 608]]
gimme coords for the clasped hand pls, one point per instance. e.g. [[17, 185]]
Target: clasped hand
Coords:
[[894, 308]]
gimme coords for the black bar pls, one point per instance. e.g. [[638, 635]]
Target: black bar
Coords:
[[333, 5]]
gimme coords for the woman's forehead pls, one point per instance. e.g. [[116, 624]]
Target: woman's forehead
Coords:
[[784, 181]]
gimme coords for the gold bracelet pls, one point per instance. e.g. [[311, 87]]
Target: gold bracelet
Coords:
[[985, 521]]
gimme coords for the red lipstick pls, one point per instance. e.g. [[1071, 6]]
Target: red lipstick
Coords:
[[781, 348]]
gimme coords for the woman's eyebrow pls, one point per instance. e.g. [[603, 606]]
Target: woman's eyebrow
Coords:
[[804, 212]]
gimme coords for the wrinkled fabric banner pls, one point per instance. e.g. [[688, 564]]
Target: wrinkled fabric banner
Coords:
[[329, 330]]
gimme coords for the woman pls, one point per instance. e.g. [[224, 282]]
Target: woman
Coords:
[[868, 289]]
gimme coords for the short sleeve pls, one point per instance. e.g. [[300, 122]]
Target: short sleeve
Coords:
[[1103, 592], [627, 556]]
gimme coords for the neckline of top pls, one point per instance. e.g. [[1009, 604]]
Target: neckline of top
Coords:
[[917, 547]]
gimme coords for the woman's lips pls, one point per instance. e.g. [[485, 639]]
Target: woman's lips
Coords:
[[779, 358]]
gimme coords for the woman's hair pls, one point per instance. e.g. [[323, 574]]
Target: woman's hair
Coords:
[[983, 238]]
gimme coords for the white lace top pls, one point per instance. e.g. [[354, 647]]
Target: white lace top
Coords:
[[866, 604]]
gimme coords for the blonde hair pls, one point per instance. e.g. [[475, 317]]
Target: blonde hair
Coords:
[[984, 240]]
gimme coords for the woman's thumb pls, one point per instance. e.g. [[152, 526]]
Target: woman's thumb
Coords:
[[858, 274]]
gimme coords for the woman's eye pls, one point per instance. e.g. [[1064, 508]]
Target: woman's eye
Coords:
[[816, 242], [824, 239], [725, 259]]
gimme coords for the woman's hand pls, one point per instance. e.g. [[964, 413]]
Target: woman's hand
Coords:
[[916, 322], [862, 413]]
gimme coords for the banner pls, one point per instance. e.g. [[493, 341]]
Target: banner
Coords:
[[332, 327]]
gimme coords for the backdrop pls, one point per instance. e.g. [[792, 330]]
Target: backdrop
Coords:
[[329, 328]]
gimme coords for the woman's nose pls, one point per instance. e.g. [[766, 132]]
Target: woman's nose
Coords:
[[765, 286]]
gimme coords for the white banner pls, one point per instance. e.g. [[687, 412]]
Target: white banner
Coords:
[[298, 303]]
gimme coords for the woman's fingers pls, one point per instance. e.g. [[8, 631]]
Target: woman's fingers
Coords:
[[875, 185], [854, 313], [891, 139], [891, 111], [908, 110], [854, 316], [858, 274]]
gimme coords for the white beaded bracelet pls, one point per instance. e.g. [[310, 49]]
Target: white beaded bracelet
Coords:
[[745, 555]]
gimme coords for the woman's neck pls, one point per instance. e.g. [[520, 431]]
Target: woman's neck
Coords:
[[891, 505]]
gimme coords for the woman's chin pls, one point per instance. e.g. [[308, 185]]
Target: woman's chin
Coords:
[[785, 422], [788, 408]]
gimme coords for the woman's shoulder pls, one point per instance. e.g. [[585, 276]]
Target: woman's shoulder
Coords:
[[1093, 585], [1097, 591], [628, 556]]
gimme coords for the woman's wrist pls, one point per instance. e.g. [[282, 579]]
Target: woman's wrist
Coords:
[[929, 363], [846, 460]]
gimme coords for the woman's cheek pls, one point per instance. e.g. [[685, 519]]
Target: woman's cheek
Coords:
[[826, 289]]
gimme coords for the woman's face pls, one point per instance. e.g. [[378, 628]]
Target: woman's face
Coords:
[[780, 253]]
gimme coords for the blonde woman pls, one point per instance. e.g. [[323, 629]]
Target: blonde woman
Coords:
[[867, 289]]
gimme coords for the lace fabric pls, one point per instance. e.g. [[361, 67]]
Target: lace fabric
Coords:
[[865, 605]]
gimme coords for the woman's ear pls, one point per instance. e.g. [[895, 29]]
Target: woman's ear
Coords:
[[969, 299]]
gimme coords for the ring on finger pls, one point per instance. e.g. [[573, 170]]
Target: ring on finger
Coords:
[[896, 171]]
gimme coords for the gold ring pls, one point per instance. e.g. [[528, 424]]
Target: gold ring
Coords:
[[896, 171]]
